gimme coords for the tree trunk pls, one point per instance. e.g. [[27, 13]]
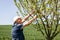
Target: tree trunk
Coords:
[[49, 38]]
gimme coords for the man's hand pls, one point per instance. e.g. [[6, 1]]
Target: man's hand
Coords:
[[35, 16], [32, 11]]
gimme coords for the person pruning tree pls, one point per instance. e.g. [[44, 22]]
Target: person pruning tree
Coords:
[[17, 28]]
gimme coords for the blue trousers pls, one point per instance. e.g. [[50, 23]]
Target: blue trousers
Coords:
[[18, 38]]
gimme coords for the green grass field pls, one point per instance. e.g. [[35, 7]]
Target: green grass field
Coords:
[[30, 33]]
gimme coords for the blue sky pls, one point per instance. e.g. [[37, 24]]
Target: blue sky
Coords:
[[7, 11]]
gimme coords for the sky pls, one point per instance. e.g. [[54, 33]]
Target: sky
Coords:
[[7, 12]]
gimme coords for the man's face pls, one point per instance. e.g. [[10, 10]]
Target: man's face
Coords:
[[19, 21]]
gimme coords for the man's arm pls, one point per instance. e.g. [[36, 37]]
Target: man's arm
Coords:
[[30, 21], [28, 16]]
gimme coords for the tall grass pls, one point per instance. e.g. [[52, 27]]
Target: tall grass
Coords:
[[30, 33]]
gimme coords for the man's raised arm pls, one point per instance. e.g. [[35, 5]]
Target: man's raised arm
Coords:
[[30, 21], [28, 16]]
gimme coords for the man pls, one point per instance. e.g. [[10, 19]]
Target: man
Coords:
[[17, 28]]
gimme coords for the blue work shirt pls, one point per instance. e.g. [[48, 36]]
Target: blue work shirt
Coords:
[[17, 32]]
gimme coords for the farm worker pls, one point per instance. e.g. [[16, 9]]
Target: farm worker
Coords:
[[17, 28]]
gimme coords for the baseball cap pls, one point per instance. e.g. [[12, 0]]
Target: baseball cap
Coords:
[[15, 18]]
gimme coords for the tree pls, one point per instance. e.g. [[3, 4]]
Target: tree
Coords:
[[48, 11]]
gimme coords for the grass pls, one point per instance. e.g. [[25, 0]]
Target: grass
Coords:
[[30, 33]]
